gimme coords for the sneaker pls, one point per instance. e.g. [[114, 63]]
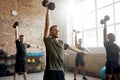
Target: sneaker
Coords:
[[84, 78]]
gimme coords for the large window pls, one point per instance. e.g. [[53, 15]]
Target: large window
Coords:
[[88, 5], [118, 34], [116, 0], [77, 24], [117, 12], [105, 11], [100, 36], [102, 3], [88, 22], [90, 38]]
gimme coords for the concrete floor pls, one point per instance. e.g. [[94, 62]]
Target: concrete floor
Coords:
[[39, 76]]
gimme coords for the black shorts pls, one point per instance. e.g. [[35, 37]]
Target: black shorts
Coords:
[[112, 68], [79, 60], [53, 75], [20, 66], [117, 70]]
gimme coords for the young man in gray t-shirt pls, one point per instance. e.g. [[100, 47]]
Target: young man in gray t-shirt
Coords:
[[55, 52]]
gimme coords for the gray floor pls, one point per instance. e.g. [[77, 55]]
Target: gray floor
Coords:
[[39, 76]]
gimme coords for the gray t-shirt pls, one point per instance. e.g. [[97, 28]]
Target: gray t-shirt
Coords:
[[54, 53], [80, 56]]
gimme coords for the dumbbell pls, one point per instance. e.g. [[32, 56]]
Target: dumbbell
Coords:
[[15, 24], [76, 31], [106, 18], [48, 4]]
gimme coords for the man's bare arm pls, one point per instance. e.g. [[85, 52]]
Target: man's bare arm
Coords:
[[88, 51], [16, 33], [105, 33], [77, 50], [46, 31]]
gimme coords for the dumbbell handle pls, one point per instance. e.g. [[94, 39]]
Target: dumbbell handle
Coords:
[[75, 31], [103, 21]]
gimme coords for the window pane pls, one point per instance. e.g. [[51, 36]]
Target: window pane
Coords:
[[101, 3], [111, 29], [118, 34], [77, 24], [75, 10], [117, 12], [116, 0], [100, 37], [89, 5], [105, 11], [79, 36], [84, 20], [90, 38], [89, 21]]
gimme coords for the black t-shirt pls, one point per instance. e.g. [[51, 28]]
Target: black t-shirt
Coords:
[[21, 49], [112, 51]]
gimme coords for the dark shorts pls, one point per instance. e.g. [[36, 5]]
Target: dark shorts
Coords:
[[53, 75], [112, 68], [79, 60], [20, 66]]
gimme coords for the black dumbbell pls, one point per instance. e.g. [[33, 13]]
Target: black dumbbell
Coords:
[[102, 21], [48, 4], [106, 18], [76, 31], [15, 24], [44, 2]]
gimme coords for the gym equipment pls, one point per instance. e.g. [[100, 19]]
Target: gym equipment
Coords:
[[76, 31], [15, 24], [28, 60], [35, 54], [48, 4], [44, 2], [33, 60], [102, 72], [106, 18], [102, 21]]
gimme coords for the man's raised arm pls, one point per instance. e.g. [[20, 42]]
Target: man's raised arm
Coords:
[[105, 33], [46, 30]]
